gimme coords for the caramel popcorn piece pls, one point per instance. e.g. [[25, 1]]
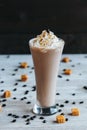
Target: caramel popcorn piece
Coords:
[[0, 108], [24, 77], [24, 65], [65, 59], [60, 119], [75, 112], [7, 94], [67, 71]]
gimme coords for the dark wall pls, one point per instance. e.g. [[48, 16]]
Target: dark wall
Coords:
[[21, 20]]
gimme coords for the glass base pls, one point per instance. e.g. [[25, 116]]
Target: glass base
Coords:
[[45, 110]]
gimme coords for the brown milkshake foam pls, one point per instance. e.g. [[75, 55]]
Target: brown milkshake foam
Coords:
[[46, 51]]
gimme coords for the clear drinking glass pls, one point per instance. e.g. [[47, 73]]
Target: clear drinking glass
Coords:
[[46, 64]]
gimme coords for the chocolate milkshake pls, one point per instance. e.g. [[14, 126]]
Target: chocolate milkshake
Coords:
[[46, 50]]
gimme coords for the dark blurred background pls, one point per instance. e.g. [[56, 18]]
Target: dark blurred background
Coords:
[[21, 20]]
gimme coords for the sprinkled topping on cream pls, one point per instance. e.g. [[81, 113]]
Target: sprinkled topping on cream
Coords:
[[46, 40]]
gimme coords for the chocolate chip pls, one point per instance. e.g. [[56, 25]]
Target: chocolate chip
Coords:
[[3, 105], [66, 119], [62, 114], [28, 102], [2, 90], [2, 82], [26, 92], [8, 56], [57, 104], [4, 100], [85, 56], [24, 85], [27, 123], [44, 121], [61, 105], [66, 101], [34, 88], [85, 87], [73, 94], [59, 76], [16, 116], [13, 74], [31, 118], [67, 80], [32, 68], [25, 97], [72, 65], [16, 84], [34, 116], [41, 118], [24, 116], [10, 114], [73, 102], [15, 69], [14, 98], [2, 69], [15, 89], [59, 110], [27, 120], [57, 93], [13, 121], [81, 102], [22, 99]]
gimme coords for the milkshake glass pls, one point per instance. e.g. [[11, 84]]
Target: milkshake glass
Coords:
[[46, 50]]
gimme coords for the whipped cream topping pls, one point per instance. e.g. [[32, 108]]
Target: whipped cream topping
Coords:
[[46, 40]]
